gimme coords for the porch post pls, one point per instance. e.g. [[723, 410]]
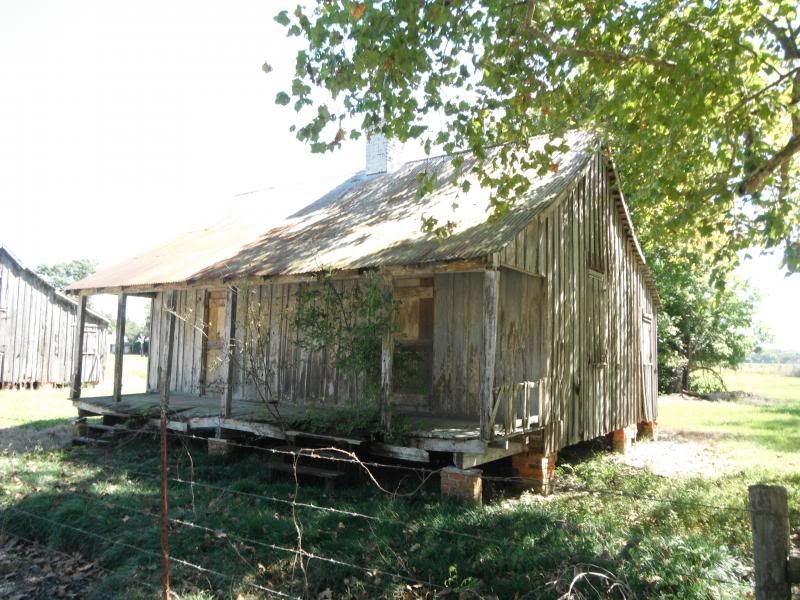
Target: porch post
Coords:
[[119, 348], [229, 348], [77, 351], [491, 287], [387, 364]]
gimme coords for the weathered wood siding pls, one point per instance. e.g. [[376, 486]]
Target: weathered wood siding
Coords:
[[263, 325], [457, 314], [601, 378], [573, 310], [37, 329]]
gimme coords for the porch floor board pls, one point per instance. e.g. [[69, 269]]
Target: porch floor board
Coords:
[[202, 412]]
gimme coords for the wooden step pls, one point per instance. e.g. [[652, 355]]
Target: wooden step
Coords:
[[80, 440], [328, 476]]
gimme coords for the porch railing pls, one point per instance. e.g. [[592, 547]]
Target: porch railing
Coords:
[[519, 407]]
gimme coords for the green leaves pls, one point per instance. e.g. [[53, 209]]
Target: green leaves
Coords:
[[691, 100], [282, 98]]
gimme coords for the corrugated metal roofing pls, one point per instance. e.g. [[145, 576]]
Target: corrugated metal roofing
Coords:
[[368, 221]]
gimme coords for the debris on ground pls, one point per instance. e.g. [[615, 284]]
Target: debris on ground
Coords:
[[30, 570]]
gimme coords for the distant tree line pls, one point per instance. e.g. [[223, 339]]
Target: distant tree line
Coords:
[[774, 357]]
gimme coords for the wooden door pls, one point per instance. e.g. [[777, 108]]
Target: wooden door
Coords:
[[648, 365], [593, 387], [91, 355], [214, 346], [412, 374]]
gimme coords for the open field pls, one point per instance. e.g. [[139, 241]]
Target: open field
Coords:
[[758, 432], [684, 536]]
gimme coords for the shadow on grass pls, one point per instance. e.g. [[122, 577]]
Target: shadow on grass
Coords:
[[512, 547], [780, 432]]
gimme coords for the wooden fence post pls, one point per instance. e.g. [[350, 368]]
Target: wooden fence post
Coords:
[[769, 515]]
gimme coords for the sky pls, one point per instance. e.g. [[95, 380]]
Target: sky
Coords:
[[122, 124]]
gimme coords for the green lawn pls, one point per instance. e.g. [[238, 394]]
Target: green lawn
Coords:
[[759, 433]]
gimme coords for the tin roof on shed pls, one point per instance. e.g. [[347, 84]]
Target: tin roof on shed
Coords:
[[368, 221]]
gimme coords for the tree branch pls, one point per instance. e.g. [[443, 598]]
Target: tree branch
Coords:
[[756, 179], [765, 89], [597, 54], [787, 42]]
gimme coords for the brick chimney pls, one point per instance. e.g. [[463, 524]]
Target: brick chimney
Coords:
[[382, 154]]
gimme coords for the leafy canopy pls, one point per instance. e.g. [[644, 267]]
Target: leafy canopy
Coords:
[[62, 274], [698, 98]]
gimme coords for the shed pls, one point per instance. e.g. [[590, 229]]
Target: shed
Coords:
[[37, 331], [533, 331]]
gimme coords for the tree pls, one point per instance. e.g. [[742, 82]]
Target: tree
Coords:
[[62, 274], [700, 100], [702, 325]]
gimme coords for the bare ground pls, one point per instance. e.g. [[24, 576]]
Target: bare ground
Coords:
[[26, 439], [681, 452]]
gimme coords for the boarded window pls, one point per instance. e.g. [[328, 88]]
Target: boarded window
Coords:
[[413, 354]]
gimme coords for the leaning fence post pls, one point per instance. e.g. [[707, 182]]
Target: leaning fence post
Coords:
[[769, 515]]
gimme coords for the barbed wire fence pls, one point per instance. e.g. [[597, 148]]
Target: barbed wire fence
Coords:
[[304, 557]]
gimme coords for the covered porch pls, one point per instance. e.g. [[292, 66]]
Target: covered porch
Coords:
[[421, 436], [510, 413]]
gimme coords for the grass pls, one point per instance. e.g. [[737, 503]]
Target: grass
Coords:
[[769, 381], [679, 548], [685, 537], [762, 432]]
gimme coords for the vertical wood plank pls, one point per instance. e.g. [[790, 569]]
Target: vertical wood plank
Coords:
[[229, 350], [489, 348], [119, 349], [387, 364]]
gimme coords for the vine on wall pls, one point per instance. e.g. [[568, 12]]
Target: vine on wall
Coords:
[[350, 322]]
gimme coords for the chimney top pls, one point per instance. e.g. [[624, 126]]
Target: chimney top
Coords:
[[382, 154]]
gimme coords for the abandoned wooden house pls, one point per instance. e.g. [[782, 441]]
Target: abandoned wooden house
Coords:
[[37, 331], [527, 333]]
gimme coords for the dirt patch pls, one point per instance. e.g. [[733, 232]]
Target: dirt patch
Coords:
[[679, 453], [31, 570], [26, 439]]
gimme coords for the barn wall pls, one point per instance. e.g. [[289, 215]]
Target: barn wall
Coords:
[[597, 306], [37, 329]]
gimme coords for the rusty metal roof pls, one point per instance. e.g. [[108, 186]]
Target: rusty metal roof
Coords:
[[368, 221]]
